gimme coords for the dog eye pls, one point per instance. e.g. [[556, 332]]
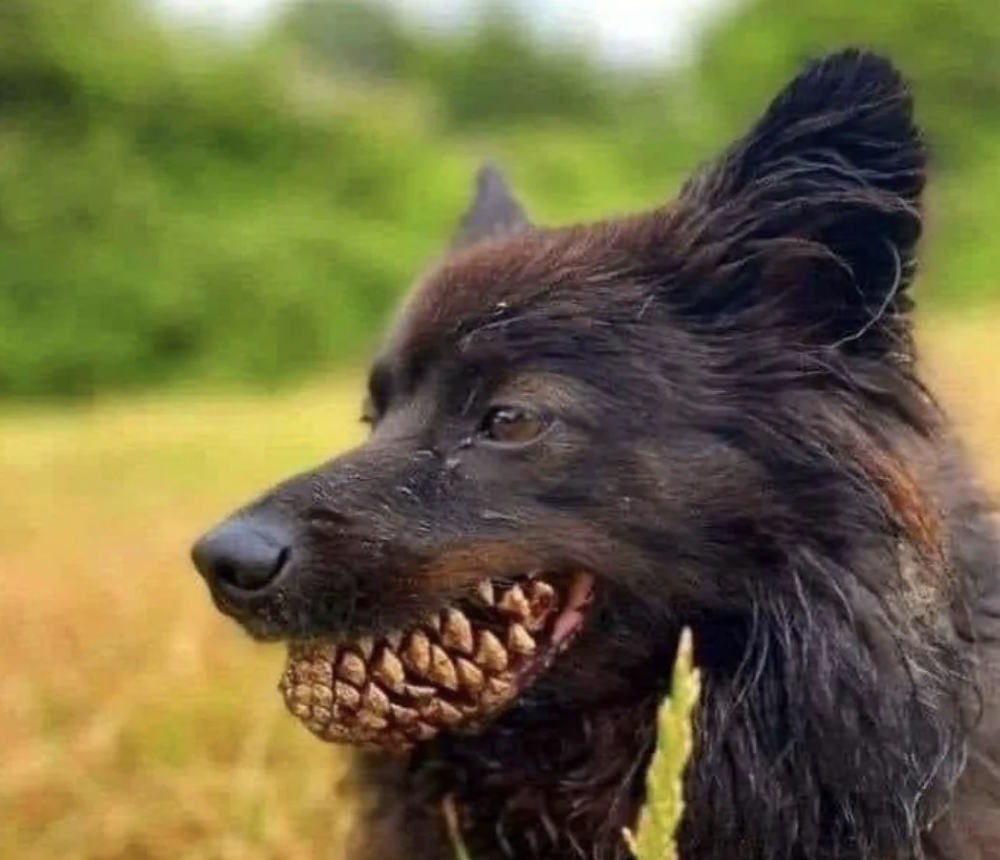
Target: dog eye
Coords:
[[512, 425]]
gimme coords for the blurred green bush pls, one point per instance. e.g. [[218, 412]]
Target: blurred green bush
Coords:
[[179, 206]]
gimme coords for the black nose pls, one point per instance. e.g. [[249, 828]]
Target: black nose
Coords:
[[245, 554]]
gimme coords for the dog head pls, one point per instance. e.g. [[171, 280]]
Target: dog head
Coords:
[[584, 437]]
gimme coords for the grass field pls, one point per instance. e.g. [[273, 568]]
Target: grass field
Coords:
[[134, 721]]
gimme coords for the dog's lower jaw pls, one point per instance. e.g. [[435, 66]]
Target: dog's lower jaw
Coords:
[[524, 790]]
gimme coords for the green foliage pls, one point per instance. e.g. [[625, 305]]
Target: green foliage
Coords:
[[658, 820], [451, 820], [177, 208], [166, 213], [499, 72]]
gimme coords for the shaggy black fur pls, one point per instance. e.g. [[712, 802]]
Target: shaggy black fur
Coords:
[[736, 440]]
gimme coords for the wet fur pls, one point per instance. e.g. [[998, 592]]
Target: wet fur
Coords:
[[744, 447]]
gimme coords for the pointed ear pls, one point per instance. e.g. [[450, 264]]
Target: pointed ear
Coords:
[[813, 217], [493, 211]]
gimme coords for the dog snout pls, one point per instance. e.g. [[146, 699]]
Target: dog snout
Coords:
[[243, 556]]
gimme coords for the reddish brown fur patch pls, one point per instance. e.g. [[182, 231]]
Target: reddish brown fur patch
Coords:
[[470, 564], [913, 507], [504, 272], [923, 556]]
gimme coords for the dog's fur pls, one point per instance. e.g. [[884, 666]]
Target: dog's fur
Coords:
[[737, 440]]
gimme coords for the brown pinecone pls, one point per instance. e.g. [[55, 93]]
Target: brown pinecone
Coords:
[[452, 671]]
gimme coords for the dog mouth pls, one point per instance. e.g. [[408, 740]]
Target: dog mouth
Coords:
[[457, 670]]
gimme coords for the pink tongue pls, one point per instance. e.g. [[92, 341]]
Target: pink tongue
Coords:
[[571, 617]]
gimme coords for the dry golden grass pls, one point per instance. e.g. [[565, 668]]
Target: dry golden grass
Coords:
[[134, 721]]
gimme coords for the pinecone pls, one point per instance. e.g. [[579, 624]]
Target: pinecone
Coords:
[[451, 672]]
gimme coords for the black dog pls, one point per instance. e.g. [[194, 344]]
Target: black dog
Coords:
[[711, 411]]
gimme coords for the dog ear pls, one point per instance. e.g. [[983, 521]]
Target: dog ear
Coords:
[[493, 211], [814, 216]]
